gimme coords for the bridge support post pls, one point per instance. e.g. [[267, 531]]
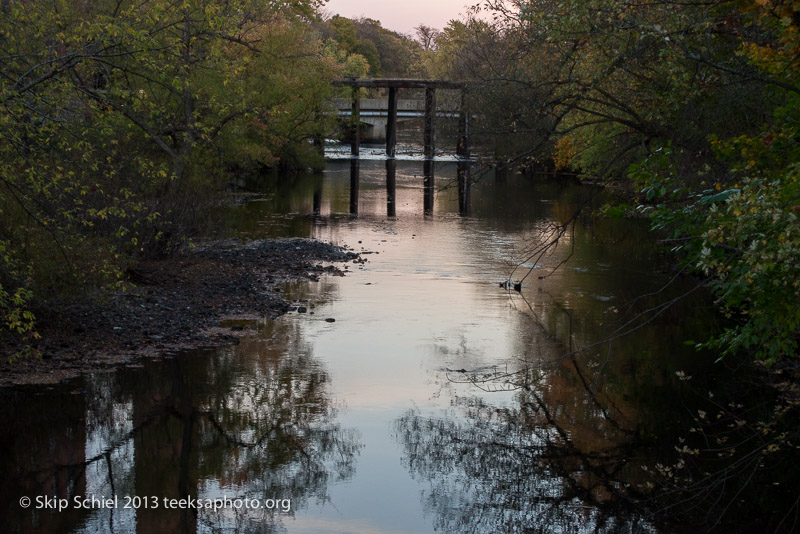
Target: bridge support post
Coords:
[[391, 124], [430, 116], [355, 121], [462, 148]]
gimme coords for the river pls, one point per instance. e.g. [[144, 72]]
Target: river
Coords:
[[414, 394]]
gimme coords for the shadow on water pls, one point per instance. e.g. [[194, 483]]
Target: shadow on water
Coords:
[[429, 187], [252, 423], [287, 196], [468, 407], [567, 454]]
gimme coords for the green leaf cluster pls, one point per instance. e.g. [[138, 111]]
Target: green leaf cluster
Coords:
[[696, 104], [387, 53], [744, 238], [119, 120]]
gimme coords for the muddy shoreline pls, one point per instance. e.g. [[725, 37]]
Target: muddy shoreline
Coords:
[[171, 305]]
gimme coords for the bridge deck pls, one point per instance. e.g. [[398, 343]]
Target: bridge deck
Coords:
[[429, 116], [399, 83], [382, 104]]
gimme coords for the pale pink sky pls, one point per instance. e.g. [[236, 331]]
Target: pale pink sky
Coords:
[[402, 15]]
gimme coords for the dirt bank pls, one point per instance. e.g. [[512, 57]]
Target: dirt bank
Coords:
[[172, 304]]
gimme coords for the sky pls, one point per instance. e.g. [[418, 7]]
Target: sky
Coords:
[[401, 15]]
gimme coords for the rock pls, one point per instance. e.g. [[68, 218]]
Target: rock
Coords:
[[185, 294], [330, 320]]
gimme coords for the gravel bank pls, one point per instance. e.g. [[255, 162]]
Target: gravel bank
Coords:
[[173, 304]]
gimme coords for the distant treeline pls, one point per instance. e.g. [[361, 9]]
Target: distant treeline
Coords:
[[119, 121]]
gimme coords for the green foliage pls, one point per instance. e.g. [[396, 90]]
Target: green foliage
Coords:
[[698, 105], [606, 78], [284, 86], [386, 52], [17, 318], [743, 232], [695, 102], [116, 119], [350, 65], [745, 238], [751, 243]]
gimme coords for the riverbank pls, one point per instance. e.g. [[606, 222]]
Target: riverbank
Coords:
[[173, 304]]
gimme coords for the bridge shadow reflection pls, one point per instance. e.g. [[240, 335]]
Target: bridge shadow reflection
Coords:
[[428, 187], [464, 182], [391, 187], [355, 178]]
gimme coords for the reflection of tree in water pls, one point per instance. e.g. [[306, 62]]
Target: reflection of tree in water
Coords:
[[271, 434], [558, 461], [252, 421]]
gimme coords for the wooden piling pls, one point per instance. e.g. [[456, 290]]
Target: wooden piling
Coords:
[[462, 148], [355, 122], [393, 84], [430, 115], [391, 124]]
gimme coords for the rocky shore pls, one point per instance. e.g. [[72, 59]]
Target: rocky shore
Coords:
[[172, 304]]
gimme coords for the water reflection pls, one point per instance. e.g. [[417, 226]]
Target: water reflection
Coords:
[[464, 186], [516, 469], [564, 456], [391, 187], [355, 180], [419, 334], [325, 193], [428, 186], [249, 422], [42, 439]]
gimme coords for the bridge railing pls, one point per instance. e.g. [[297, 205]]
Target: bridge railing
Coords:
[[382, 104]]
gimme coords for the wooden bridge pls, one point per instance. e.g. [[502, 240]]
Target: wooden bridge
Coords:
[[374, 114], [429, 112]]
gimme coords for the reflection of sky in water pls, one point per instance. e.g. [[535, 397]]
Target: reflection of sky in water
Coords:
[[426, 305], [343, 398], [415, 309], [403, 152]]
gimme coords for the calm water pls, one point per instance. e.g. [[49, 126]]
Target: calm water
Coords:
[[435, 401]]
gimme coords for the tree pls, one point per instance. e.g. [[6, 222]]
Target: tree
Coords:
[[388, 53], [115, 116], [673, 95], [427, 37], [694, 106]]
